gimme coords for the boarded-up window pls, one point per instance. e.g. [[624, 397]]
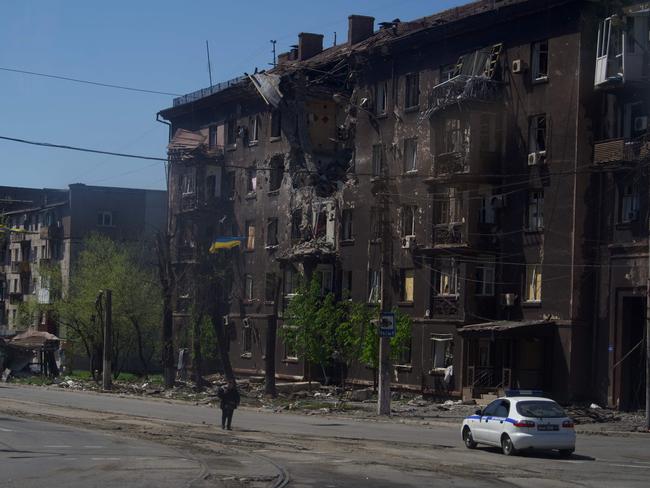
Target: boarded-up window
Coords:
[[250, 236], [407, 285]]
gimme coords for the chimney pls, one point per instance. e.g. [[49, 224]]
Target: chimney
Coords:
[[309, 45], [360, 27]]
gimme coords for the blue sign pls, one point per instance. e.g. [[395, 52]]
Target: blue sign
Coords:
[[387, 325]]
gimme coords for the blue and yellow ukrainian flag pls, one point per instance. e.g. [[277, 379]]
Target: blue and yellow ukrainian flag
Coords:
[[15, 230], [225, 243]]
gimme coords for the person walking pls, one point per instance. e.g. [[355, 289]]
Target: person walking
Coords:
[[229, 396]]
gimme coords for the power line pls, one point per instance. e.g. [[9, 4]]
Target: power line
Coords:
[[87, 82], [82, 149]]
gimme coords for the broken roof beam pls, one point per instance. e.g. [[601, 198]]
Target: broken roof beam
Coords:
[[268, 86]]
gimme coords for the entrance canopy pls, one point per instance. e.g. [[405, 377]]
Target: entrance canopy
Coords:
[[503, 326]]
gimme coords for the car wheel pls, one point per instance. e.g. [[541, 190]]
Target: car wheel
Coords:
[[468, 439], [507, 446], [565, 453]]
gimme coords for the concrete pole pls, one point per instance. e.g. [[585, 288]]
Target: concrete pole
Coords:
[[647, 337], [108, 343], [383, 399]]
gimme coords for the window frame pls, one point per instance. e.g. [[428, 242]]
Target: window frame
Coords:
[[535, 211], [447, 275], [406, 275], [381, 98], [272, 232], [347, 224], [533, 283], [447, 342], [485, 287], [412, 90], [249, 287], [410, 155], [250, 237], [374, 286], [378, 163], [408, 219], [628, 203], [535, 129], [539, 57]]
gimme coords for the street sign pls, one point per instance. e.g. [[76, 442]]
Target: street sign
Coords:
[[387, 325]]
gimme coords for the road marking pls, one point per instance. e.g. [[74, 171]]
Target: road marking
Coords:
[[105, 459], [58, 446], [5, 430], [630, 466], [94, 447]]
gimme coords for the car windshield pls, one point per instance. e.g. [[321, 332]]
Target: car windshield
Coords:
[[540, 409]]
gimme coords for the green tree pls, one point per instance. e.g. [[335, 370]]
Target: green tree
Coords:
[[104, 264], [311, 325]]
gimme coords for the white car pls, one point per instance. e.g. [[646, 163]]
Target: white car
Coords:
[[515, 423]]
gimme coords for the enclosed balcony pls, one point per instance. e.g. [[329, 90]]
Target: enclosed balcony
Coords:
[[450, 235], [622, 151], [464, 89], [51, 232]]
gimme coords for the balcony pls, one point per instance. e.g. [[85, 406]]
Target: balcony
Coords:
[[18, 236], [185, 254], [621, 151], [51, 232], [447, 307], [451, 163], [450, 235], [189, 202], [464, 88], [44, 262], [15, 298]]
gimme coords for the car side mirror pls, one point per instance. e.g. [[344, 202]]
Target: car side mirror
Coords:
[[479, 412]]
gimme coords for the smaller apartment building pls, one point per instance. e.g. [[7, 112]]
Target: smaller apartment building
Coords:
[[50, 226]]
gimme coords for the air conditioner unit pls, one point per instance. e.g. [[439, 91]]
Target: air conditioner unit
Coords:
[[246, 322], [225, 320], [517, 66], [640, 123], [509, 299], [408, 242], [536, 158]]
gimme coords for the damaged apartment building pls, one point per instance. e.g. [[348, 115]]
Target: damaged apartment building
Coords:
[[500, 142]]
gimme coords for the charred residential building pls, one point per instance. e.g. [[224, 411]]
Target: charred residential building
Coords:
[[48, 229], [471, 134]]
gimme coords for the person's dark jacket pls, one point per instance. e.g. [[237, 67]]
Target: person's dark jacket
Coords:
[[229, 398]]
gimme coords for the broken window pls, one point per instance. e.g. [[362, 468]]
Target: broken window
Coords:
[[324, 277], [212, 137], [485, 279], [446, 283], [537, 133], [375, 223], [628, 203], [455, 137], [412, 91], [255, 123], [374, 286], [535, 211], [377, 160], [319, 223], [269, 287], [408, 220], [248, 287], [447, 72], [407, 281], [533, 286], [290, 281], [230, 183], [276, 173], [442, 350], [290, 350], [346, 224], [296, 224], [381, 98], [251, 180], [346, 284], [276, 124], [247, 338], [231, 134], [486, 212], [250, 235], [449, 207], [272, 232], [105, 219], [213, 182], [539, 60], [410, 154], [404, 354], [187, 183]]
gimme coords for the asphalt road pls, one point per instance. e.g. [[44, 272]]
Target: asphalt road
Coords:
[[336, 452], [37, 454]]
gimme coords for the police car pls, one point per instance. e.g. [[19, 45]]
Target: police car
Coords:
[[521, 421]]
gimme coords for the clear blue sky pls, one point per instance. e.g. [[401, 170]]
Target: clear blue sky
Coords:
[[157, 45]]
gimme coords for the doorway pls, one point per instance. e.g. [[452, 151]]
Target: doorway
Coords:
[[632, 388]]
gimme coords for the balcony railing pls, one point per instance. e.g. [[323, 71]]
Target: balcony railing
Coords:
[[622, 150], [451, 163], [449, 235], [51, 232], [189, 202], [464, 88], [447, 307]]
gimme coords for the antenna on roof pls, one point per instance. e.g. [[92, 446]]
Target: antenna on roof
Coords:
[[335, 38], [273, 51], [207, 48]]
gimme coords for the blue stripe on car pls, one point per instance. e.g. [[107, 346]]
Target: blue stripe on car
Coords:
[[473, 417], [512, 421]]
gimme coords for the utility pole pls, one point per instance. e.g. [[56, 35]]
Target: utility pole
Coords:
[[647, 332], [207, 48], [108, 336], [383, 400]]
